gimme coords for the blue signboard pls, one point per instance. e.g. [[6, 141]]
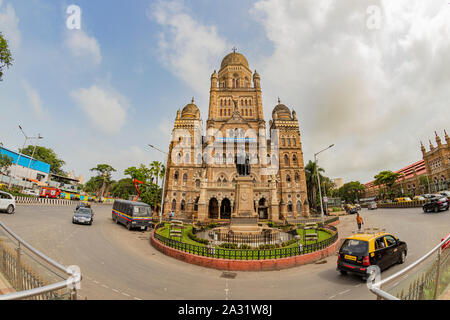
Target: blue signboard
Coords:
[[24, 161]]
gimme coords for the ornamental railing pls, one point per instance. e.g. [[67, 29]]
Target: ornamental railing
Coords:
[[247, 254], [426, 279], [31, 274]]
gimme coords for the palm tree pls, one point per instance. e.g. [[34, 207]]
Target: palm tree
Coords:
[[157, 170], [311, 170]]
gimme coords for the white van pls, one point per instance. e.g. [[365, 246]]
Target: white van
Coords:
[[7, 202]]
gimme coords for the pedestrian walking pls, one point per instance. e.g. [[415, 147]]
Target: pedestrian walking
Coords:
[[359, 221]]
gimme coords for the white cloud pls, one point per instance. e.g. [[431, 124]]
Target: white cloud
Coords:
[[34, 99], [188, 48], [9, 25], [83, 46], [374, 93], [105, 108]]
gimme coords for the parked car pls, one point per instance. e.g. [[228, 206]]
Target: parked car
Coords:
[[436, 204], [7, 202], [419, 198], [372, 205], [83, 216], [358, 207], [445, 193], [32, 192], [362, 250]]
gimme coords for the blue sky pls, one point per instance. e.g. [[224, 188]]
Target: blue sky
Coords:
[[102, 93]]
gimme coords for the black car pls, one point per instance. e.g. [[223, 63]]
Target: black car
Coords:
[[83, 216], [363, 250], [436, 204], [82, 205]]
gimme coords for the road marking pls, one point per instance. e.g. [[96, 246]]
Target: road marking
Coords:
[[126, 294], [105, 286], [136, 298], [332, 297], [344, 291], [358, 285], [96, 282], [117, 291]]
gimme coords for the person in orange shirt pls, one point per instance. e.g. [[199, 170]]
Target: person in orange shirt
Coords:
[[359, 221]]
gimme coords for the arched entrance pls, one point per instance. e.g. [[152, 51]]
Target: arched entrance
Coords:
[[263, 209], [213, 209], [225, 209]]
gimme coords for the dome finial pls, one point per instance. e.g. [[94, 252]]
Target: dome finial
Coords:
[[279, 101], [192, 100], [234, 49]]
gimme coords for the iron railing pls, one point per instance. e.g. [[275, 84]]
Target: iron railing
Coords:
[[247, 254], [32, 274], [425, 279]]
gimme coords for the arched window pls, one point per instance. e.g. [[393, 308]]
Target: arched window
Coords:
[[183, 205], [217, 158], [246, 112], [175, 176], [297, 177], [242, 102], [289, 206], [197, 183], [299, 206], [286, 160], [250, 112], [220, 112], [199, 158], [294, 160], [294, 143], [289, 141], [185, 177], [174, 205], [187, 159], [283, 142], [288, 178], [221, 102]]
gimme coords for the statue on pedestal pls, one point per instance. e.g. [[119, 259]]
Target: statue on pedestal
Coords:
[[242, 163]]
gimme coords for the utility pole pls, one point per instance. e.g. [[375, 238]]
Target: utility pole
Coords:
[[163, 179], [318, 182]]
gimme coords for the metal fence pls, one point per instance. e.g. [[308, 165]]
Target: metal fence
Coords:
[[32, 274], [247, 254], [426, 279]]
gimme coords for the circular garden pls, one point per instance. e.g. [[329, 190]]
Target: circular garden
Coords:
[[198, 239]]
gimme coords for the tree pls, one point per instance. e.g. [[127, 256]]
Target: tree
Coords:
[[311, 170], [158, 170], [5, 162], [104, 171], [351, 191], [386, 178], [46, 155], [5, 56], [123, 188]]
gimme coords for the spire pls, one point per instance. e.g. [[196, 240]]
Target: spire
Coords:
[[422, 147], [279, 101], [431, 146], [438, 139], [447, 139], [192, 100]]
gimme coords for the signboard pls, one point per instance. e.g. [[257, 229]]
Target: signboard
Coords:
[[325, 199]]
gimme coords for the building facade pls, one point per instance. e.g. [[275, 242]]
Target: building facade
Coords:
[[437, 163], [201, 167]]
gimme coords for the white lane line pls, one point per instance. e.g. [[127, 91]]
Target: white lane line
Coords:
[[126, 294], [358, 285], [105, 286], [332, 297], [96, 282], [136, 298], [117, 291], [344, 291]]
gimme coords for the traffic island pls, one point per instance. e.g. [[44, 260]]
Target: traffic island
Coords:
[[231, 257]]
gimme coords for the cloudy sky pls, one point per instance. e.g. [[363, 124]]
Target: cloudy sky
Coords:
[[372, 77]]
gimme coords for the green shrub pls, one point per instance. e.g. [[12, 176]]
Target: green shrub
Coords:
[[228, 245], [193, 237], [336, 209], [269, 246], [244, 246]]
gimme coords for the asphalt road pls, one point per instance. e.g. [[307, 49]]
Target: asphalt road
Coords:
[[121, 264]]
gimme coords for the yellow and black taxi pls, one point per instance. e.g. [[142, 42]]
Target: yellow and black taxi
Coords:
[[362, 250]]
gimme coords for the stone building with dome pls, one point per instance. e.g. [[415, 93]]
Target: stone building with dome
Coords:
[[201, 167]]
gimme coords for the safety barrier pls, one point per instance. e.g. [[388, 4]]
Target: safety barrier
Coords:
[[32, 274], [426, 279], [408, 204], [45, 201]]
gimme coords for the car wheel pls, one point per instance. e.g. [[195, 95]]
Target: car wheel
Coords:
[[402, 257], [343, 272], [10, 209], [129, 225], [436, 209], [425, 210]]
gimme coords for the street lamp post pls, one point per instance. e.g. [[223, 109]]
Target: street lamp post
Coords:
[[32, 155], [18, 158], [163, 179], [318, 181]]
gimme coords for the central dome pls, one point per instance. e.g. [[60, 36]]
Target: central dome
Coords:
[[281, 111], [234, 58]]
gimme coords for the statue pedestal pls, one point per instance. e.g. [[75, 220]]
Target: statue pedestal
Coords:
[[244, 218]]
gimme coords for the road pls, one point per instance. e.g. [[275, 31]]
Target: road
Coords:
[[121, 264]]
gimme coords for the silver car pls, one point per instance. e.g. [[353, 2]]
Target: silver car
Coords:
[[372, 205], [7, 202]]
